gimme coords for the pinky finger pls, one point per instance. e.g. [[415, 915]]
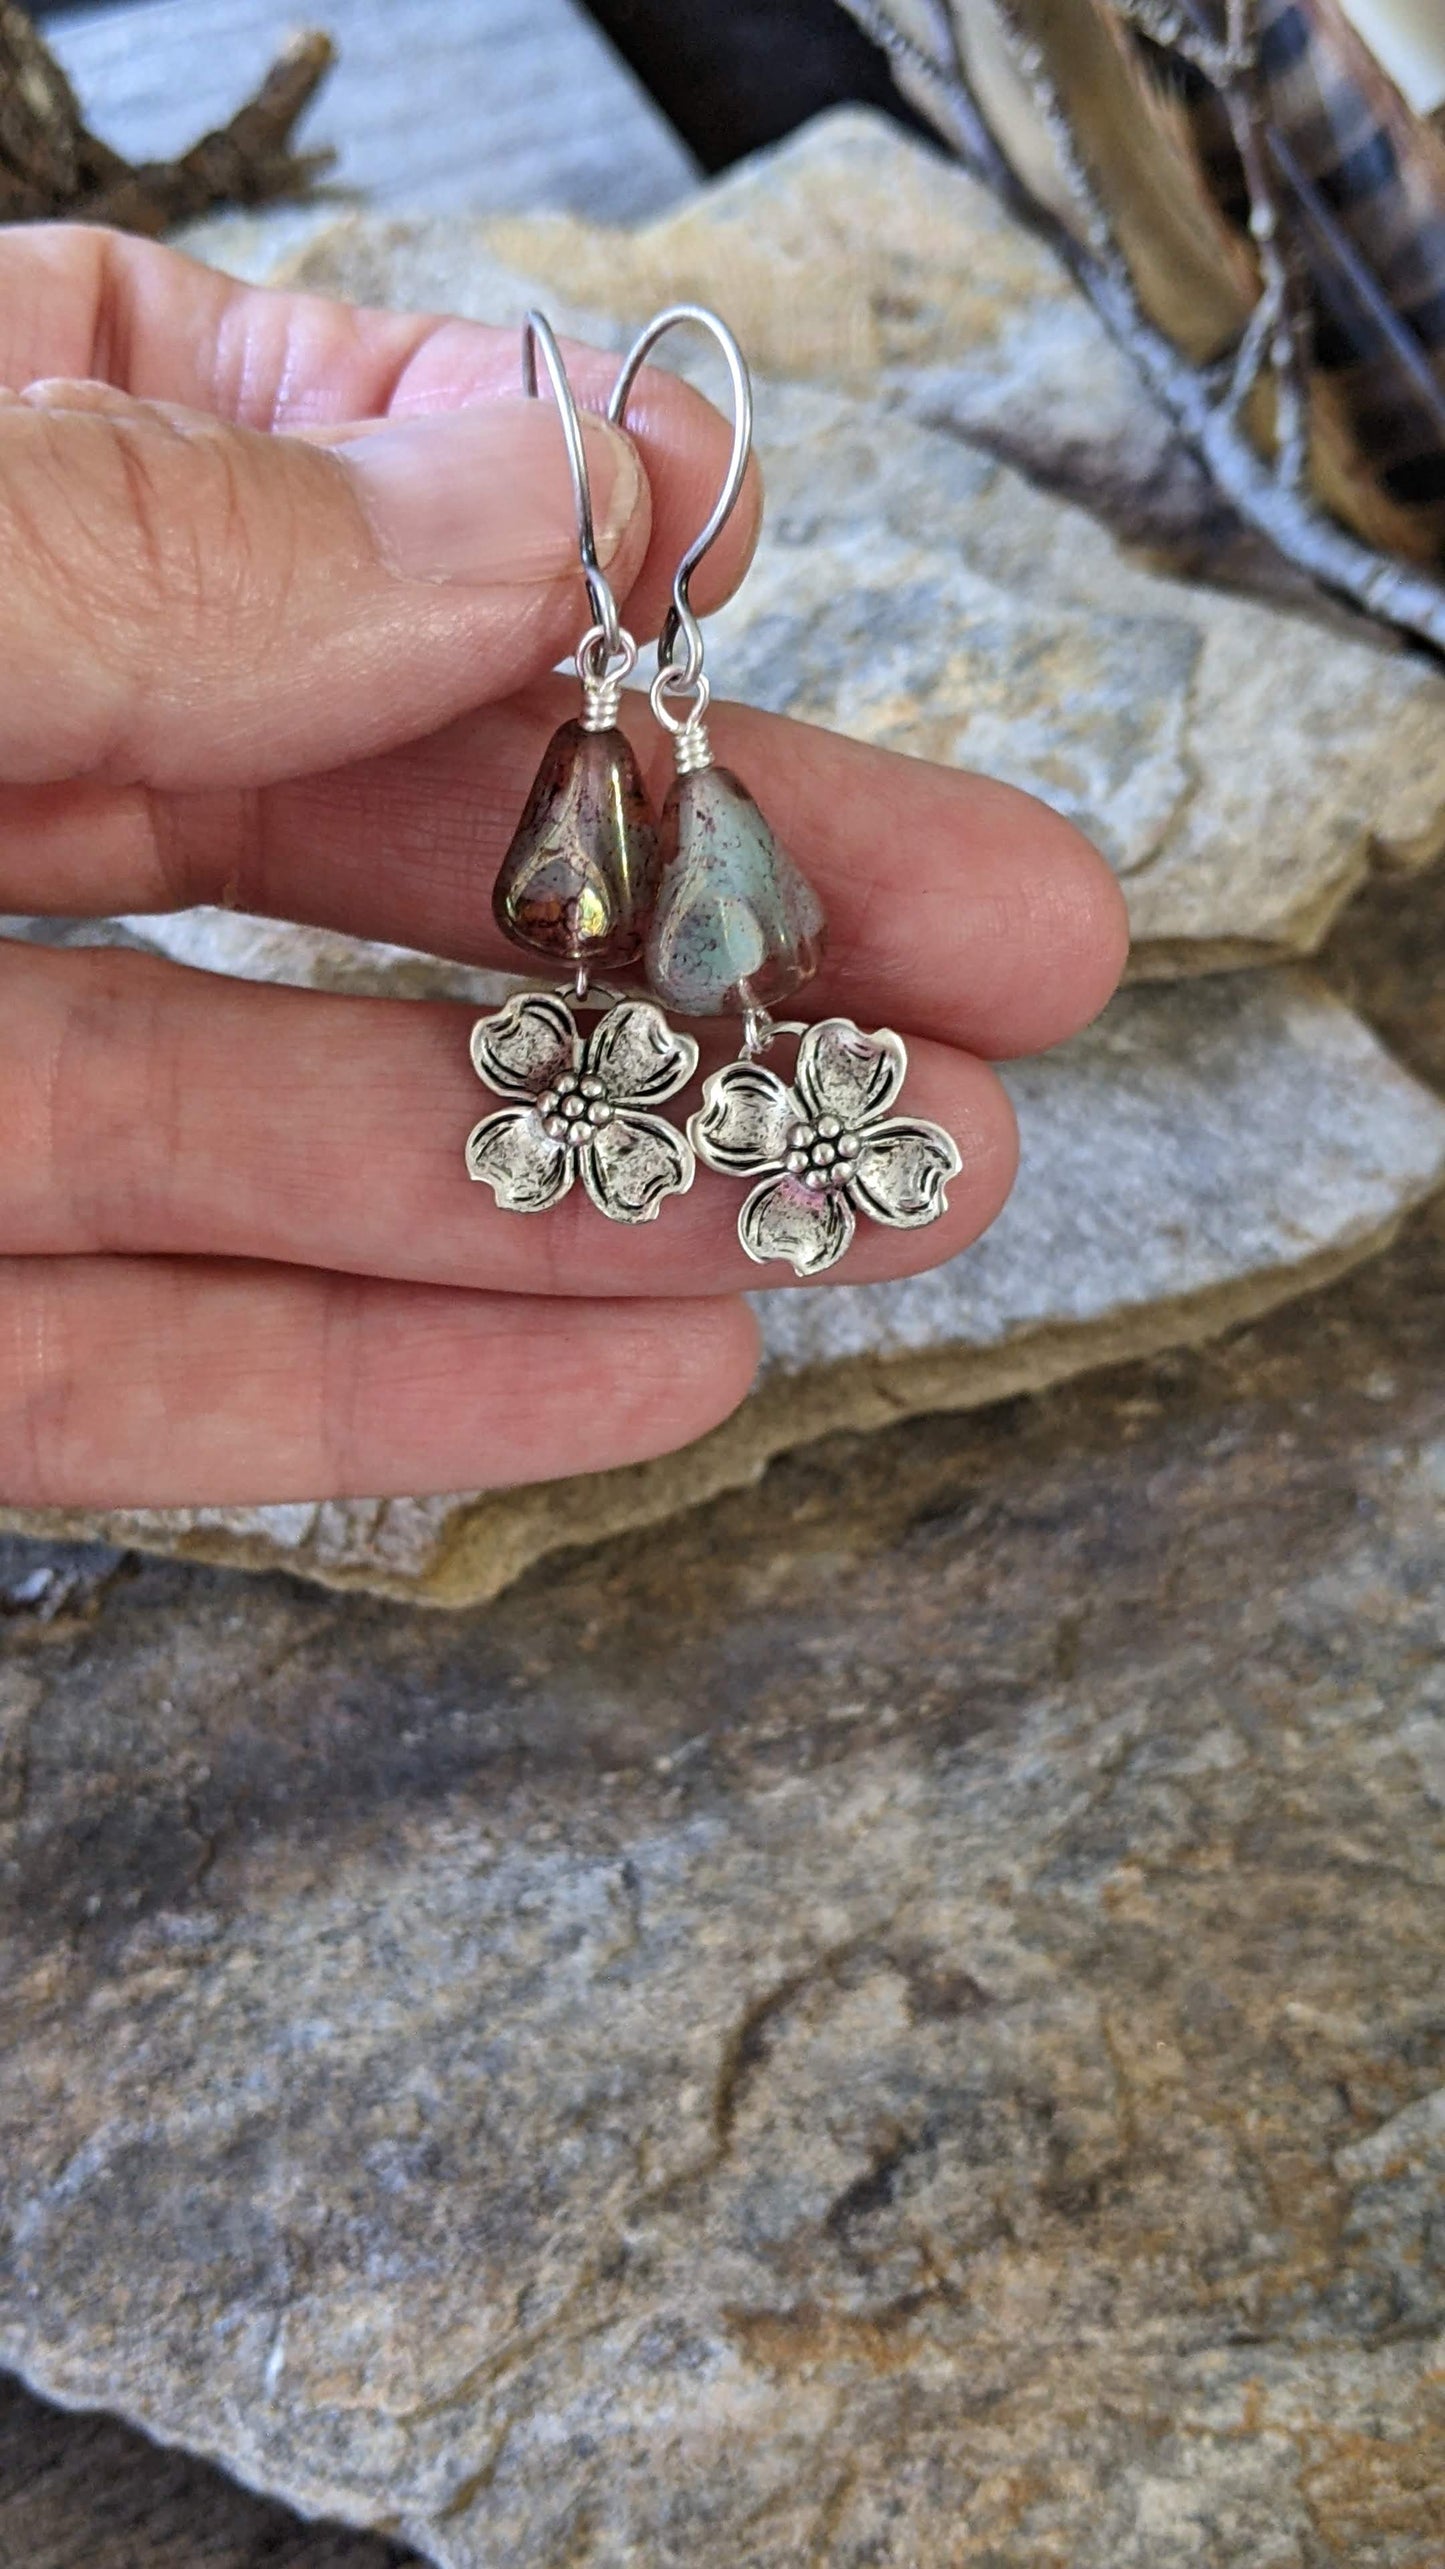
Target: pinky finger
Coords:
[[155, 1382]]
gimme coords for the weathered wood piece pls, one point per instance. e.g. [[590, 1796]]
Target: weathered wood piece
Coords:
[[52, 166], [448, 103]]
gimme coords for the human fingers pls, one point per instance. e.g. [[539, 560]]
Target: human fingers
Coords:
[[154, 1109], [80, 301], [957, 907], [154, 1382], [187, 603]]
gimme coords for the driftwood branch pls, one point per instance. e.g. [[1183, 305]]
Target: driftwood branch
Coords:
[[1266, 490], [52, 165]]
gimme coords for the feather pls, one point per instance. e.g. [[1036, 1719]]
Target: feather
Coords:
[[1360, 183], [1096, 117], [1368, 178], [1195, 276], [1360, 180]]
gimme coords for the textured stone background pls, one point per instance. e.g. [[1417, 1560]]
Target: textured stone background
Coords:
[[894, 2019], [86, 2493], [900, 2015]]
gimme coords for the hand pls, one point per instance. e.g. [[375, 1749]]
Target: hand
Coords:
[[279, 585]]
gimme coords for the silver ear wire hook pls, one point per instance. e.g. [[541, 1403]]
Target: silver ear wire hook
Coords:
[[606, 635], [680, 624]]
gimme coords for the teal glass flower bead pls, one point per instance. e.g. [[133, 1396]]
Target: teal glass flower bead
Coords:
[[736, 925]]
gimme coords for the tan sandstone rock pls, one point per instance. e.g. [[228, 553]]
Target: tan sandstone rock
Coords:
[[917, 590]]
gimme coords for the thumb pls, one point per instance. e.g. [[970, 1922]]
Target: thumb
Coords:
[[188, 603]]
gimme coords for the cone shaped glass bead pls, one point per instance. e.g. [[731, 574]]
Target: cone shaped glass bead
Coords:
[[736, 925], [580, 877]]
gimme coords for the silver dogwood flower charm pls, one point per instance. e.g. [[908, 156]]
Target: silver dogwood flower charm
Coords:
[[826, 1149], [578, 1108]]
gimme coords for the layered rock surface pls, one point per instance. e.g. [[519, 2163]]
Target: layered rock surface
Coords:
[[915, 588], [1024, 638], [895, 2022]]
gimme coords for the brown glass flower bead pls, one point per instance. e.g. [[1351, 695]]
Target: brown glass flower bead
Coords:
[[580, 877]]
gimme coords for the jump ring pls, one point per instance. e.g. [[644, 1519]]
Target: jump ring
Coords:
[[597, 651], [677, 682]]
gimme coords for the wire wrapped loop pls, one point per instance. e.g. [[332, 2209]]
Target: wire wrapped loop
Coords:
[[604, 667], [691, 747]]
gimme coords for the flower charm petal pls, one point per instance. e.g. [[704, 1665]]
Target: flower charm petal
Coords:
[[745, 1119], [634, 1164], [843, 1072], [811, 1228], [901, 1172], [527, 1045], [577, 1108], [512, 1155], [825, 1148], [638, 1057]]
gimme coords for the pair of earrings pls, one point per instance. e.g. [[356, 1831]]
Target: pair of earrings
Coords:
[[721, 920]]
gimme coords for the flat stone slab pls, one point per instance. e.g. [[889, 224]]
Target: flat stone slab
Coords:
[[1241, 762], [916, 593], [896, 2022], [1201, 1154]]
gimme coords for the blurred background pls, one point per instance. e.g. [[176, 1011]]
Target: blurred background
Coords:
[[729, 75]]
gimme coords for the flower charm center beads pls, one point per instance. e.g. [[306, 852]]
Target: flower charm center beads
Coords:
[[575, 1111], [822, 1154]]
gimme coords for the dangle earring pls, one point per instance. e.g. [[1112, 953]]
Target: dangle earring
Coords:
[[577, 884], [737, 929]]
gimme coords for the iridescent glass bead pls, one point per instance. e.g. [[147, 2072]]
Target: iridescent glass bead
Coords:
[[580, 877], [736, 926]]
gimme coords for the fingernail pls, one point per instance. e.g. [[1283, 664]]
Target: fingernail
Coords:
[[484, 495]]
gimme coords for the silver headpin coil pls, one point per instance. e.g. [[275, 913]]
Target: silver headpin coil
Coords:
[[603, 672]]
